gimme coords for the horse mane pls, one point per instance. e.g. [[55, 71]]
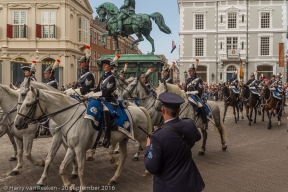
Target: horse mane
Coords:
[[172, 89], [54, 93], [9, 90], [110, 7], [43, 86]]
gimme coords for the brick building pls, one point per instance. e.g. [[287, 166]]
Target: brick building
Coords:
[[97, 28]]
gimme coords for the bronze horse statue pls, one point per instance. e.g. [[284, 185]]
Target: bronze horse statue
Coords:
[[139, 24], [230, 99], [270, 103], [250, 102]]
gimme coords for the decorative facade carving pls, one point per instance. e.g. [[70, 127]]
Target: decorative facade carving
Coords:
[[18, 6], [232, 9], [47, 5]]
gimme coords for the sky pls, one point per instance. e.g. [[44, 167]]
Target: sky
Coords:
[[162, 41]]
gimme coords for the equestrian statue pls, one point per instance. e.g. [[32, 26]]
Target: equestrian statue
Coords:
[[125, 22]]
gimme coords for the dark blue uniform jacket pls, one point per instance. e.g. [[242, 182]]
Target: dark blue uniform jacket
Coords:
[[52, 82], [169, 158]]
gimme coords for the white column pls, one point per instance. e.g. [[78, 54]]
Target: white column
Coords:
[[6, 66]]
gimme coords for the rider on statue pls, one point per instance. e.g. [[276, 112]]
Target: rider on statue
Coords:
[[86, 80], [194, 88], [166, 74], [126, 10], [49, 74], [233, 84], [29, 72]]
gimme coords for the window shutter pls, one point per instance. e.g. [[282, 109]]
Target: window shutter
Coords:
[[38, 31], [25, 31], [9, 31]]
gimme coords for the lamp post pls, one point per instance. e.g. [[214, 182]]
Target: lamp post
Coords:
[[185, 75]]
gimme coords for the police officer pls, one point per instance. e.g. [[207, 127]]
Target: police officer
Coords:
[[29, 71], [234, 84], [194, 87], [105, 88], [86, 81], [168, 156], [166, 76], [252, 82], [49, 74], [272, 80]]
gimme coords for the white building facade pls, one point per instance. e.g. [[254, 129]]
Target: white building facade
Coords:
[[221, 33], [43, 31]]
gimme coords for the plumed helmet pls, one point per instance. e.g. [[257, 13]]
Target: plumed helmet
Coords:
[[255, 72], [82, 59], [194, 66], [124, 69], [115, 60], [252, 75], [149, 71], [52, 68], [106, 61]]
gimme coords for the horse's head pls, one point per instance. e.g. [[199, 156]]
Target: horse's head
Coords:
[[244, 91], [101, 11], [106, 10], [264, 90], [136, 89], [28, 110]]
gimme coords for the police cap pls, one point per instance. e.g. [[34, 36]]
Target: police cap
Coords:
[[106, 61], [171, 100], [26, 68]]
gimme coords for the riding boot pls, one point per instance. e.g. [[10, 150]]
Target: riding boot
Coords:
[[107, 126], [204, 117]]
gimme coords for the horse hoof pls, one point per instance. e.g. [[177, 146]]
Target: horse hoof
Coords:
[[13, 173], [224, 148], [112, 160], [37, 187], [135, 159], [116, 152], [73, 176], [201, 153], [279, 123], [90, 159], [12, 159], [112, 183]]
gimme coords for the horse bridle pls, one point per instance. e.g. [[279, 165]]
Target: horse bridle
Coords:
[[28, 118], [9, 112]]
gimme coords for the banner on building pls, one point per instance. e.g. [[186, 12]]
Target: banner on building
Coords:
[[281, 54], [241, 74]]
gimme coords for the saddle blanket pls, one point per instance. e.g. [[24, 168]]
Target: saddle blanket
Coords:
[[122, 117], [236, 91], [194, 99], [276, 94], [255, 91], [280, 89]]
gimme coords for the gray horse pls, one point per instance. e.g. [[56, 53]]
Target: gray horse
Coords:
[[187, 111], [71, 123]]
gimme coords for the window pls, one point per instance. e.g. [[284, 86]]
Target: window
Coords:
[[19, 24], [95, 38], [99, 54], [199, 47], [221, 18], [232, 20], [108, 43], [99, 39], [232, 43], [95, 56], [243, 18], [48, 24], [91, 35], [265, 20], [242, 45], [267, 71], [113, 45], [221, 46], [199, 21], [264, 45], [231, 68], [83, 30]]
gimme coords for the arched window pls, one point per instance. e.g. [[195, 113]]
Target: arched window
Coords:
[[266, 70], [231, 68]]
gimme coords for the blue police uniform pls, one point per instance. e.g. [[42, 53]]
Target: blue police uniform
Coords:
[[107, 85], [169, 157], [234, 82], [86, 81], [53, 82], [167, 79]]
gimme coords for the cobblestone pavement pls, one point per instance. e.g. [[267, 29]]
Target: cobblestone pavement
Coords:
[[254, 161]]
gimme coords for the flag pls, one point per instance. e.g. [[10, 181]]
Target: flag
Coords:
[[173, 46], [281, 54], [241, 70]]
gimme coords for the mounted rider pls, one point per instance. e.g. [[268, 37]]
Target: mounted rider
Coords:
[[86, 81], [166, 74], [233, 84], [49, 74], [194, 88], [126, 10], [279, 85], [253, 85], [272, 79], [144, 76], [29, 72]]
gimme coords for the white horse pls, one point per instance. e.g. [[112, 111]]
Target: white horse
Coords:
[[5, 128], [57, 134], [78, 132], [187, 111]]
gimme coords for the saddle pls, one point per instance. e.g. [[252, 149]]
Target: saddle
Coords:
[[235, 90], [276, 94], [254, 91]]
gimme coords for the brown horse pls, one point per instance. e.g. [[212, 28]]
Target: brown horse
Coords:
[[230, 99], [270, 104], [250, 102]]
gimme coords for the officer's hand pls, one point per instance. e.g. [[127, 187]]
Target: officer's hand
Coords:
[[148, 142]]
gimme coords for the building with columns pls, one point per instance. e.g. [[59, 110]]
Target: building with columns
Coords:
[[43, 31], [220, 33]]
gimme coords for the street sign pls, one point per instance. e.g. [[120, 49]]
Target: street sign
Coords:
[[233, 54]]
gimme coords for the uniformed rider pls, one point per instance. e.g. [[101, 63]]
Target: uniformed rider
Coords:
[[166, 75], [29, 71], [279, 85], [143, 78], [194, 88], [253, 85], [126, 11], [105, 88], [233, 83], [273, 80], [49, 74], [86, 81]]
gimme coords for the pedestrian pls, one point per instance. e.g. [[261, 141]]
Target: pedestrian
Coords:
[[168, 155]]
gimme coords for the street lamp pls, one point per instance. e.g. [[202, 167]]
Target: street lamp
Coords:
[[213, 76], [185, 75]]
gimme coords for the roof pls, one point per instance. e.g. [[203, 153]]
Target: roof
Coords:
[[135, 58]]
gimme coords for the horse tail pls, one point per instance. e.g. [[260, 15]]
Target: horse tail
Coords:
[[223, 128], [149, 126], [159, 20]]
